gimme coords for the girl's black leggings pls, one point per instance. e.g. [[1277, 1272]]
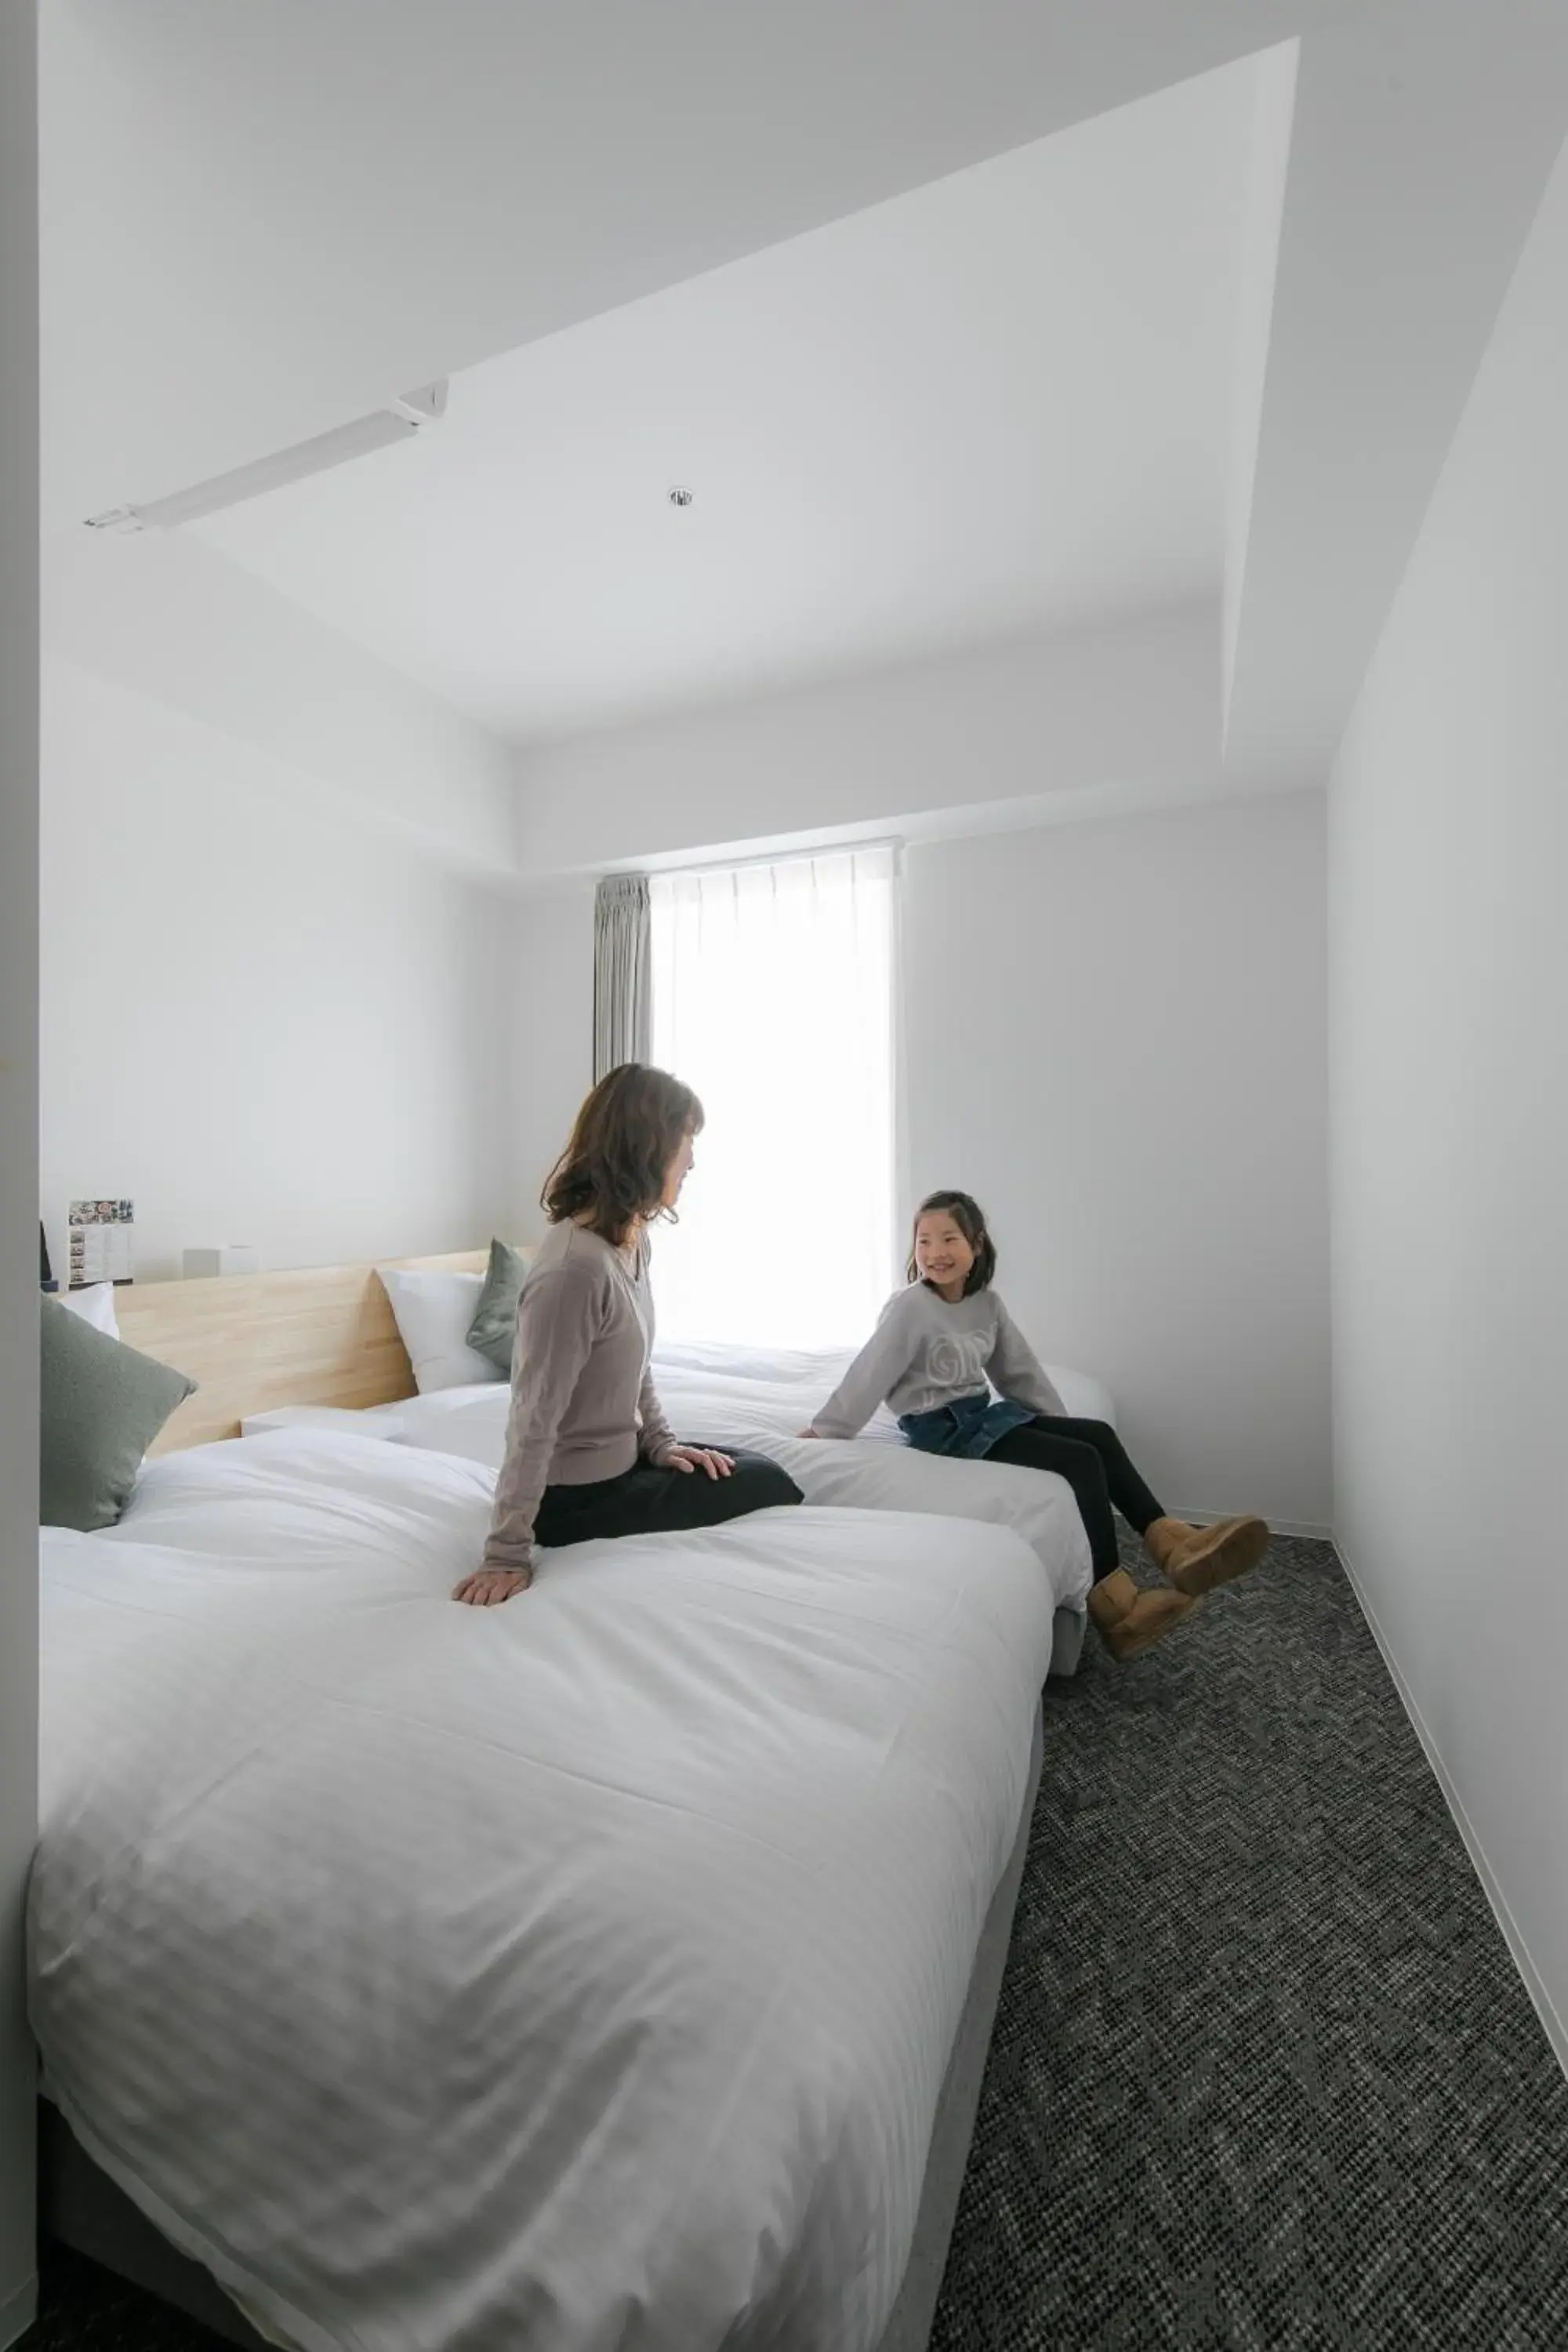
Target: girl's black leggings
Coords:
[[1092, 1459]]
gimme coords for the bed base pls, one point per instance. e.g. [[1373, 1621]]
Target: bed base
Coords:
[[1066, 1641], [910, 2324], [82, 2208]]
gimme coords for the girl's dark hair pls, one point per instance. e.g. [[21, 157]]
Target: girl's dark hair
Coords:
[[627, 1134], [967, 1215]]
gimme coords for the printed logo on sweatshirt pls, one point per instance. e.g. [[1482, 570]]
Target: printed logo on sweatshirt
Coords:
[[957, 1361]]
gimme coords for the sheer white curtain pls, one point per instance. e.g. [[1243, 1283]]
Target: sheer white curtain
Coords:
[[772, 996]]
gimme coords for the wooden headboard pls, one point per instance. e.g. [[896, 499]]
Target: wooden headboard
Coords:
[[321, 1335]]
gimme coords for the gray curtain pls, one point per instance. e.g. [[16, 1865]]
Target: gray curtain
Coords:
[[622, 973]]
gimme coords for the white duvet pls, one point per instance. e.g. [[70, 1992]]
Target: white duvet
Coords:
[[577, 1976], [757, 1400]]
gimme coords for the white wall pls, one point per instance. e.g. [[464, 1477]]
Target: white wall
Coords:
[[1114, 1036], [262, 1025], [162, 614], [552, 986], [1115, 1039], [18, 1135], [1134, 705], [1450, 984]]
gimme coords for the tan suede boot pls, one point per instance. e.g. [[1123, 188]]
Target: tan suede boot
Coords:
[[1128, 1620], [1198, 1558]]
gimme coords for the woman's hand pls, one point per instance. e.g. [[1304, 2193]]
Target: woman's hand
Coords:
[[698, 1457], [809, 1431], [488, 1586]]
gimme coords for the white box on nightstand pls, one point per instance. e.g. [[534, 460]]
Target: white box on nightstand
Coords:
[[230, 1259]]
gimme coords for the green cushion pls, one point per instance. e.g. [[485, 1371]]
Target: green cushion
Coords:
[[100, 1406], [494, 1327]]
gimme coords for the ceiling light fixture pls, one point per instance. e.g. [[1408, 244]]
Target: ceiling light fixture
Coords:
[[682, 497], [401, 420]]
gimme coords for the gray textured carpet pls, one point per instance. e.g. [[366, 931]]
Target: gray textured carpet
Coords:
[[1264, 2077]]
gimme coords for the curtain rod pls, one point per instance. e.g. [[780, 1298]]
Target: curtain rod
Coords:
[[888, 842]]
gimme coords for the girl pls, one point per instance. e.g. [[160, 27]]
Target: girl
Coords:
[[588, 1450], [935, 1346]]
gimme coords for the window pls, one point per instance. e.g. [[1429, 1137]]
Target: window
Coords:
[[772, 997]]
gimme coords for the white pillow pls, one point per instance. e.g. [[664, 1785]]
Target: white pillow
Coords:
[[95, 1306], [434, 1311]]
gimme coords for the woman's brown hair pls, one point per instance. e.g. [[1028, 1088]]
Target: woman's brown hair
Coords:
[[968, 1216], [627, 1133]]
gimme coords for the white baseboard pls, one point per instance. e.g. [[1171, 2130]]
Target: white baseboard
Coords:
[[1540, 1999], [18, 2312]]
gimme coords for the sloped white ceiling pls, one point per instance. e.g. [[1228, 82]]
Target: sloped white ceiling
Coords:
[[1421, 143], [260, 220], [997, 405], [948, 347]]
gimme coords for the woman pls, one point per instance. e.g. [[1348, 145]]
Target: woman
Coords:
[[588, 1450], [941, 1345]]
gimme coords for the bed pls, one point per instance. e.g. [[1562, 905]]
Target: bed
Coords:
[[761, 1400], [724, 1833], [322, 1347]]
